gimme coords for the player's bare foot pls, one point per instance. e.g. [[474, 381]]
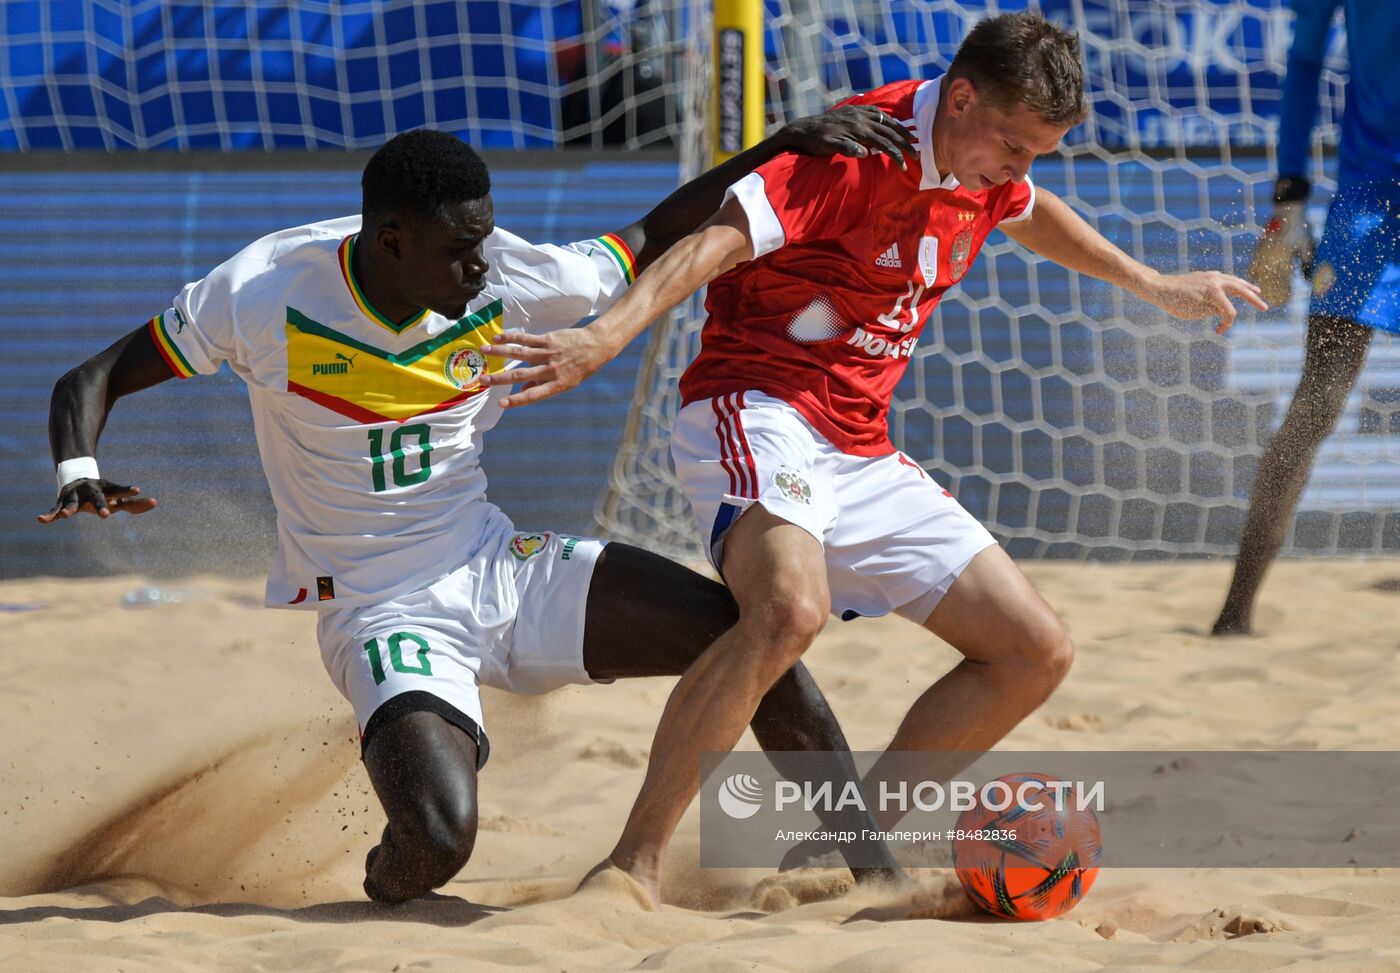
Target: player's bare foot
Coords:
[[610, 879], [373, 891]]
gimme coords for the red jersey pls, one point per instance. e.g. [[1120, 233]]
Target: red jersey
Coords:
[[851, 256]]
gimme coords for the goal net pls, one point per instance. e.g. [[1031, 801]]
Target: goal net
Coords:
[[1072, 419], [338, 74]]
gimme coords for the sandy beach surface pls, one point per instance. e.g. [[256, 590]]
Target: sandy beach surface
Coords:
[[182, 791]]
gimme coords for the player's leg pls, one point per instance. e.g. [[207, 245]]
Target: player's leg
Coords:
[[1356, 288], [1015, 652], [776, 572], [1336, 351], [423, 768], [748, 465], [409, 667], [919, 553], [648, 616]]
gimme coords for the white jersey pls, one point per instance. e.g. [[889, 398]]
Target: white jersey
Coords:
[[370, 431]]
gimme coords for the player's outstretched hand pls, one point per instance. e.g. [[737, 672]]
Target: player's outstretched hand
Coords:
[[553, 362], [101, 497], [1203, 294], [853, 130]]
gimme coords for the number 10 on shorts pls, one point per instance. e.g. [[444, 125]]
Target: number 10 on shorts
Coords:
[[396, 644]]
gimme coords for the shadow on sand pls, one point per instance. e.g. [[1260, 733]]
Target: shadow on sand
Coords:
[[432, 910]]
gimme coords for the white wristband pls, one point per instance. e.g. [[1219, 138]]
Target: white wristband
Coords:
[[77, 468]]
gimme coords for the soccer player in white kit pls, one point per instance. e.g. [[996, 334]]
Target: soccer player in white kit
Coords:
[[822, 273], [362, 343]]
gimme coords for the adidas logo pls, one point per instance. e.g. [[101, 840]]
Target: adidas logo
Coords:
[[890, 258]]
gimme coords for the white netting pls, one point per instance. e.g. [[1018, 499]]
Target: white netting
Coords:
[[1068, 419], [1071, 419], [266, 74]]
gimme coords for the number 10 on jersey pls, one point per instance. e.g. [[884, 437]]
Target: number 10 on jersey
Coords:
[[401, 446]]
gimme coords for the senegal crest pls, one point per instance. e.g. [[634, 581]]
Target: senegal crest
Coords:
[[960, 255], [794, 487], [526, 546], [464, 367]]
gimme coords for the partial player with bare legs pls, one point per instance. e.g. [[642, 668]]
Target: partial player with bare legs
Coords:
[[1355, 273]]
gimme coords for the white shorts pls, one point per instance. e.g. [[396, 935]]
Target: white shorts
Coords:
[[511, 618], [895, 540]]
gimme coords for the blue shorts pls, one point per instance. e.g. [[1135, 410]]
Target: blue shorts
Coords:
[[1357, 273]]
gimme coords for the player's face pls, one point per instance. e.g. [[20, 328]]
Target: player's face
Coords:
[[445, 266], [989, 146]]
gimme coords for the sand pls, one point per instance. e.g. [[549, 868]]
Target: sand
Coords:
[[182, 792]]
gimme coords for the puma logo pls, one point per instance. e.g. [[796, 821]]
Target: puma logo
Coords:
[[340, 366]]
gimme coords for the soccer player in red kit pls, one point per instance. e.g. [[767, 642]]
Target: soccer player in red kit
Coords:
[[822, 274]]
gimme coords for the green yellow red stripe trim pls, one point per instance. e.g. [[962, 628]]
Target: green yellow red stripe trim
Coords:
[[360, 414], [622, 253], [485, 318], [168, 349], [346, 254]]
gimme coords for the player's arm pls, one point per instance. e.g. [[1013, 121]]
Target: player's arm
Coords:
[[1287, 238], [562, 359], [853, 130], [82, 399], [1058, 233]]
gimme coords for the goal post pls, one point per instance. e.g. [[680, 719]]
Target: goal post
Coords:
[[738, 120], [1070, 418]]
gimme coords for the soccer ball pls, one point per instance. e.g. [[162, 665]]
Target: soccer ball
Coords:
[[1024, 862]]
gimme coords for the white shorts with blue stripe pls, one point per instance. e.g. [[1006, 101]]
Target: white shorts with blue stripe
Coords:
[[895, 541]]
